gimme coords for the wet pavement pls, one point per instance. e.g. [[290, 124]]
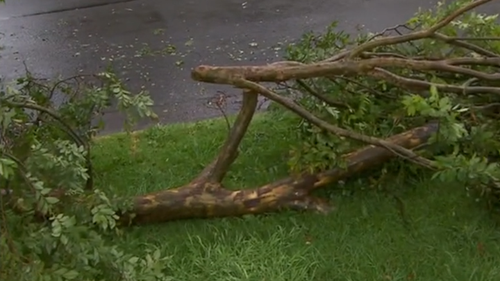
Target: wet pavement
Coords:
[[66, 37]]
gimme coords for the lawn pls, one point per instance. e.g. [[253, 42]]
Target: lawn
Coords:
[[449, 238]]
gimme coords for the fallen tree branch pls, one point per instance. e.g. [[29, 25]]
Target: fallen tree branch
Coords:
[[210, 200], [283, 72], [205, 197]]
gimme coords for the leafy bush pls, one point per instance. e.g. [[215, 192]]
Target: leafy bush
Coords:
[[54, 224]]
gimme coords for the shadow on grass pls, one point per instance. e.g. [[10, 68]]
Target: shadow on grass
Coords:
[[449, 236]]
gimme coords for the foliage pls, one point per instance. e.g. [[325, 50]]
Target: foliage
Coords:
[[46, 174], [469, 131]]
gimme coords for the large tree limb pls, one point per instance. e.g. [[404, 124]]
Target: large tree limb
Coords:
[[279, 72], [207, 200]]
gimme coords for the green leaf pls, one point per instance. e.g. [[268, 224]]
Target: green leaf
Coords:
[[133, 260], [51, 200], [70, 275], [45, 191]]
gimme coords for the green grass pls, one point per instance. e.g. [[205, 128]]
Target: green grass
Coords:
[[450, 236]]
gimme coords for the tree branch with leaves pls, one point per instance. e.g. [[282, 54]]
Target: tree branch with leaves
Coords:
[[424, 93]]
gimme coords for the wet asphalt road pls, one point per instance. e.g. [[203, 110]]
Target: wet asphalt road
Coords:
[[66, 37]]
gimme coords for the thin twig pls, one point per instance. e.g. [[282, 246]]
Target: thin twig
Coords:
[[321, 97], [393, 28], [369, 89], [221, 102]]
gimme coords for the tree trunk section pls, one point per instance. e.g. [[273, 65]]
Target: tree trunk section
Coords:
[[210, 200]]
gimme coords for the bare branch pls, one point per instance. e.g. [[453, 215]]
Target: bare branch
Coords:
[[391, 40]]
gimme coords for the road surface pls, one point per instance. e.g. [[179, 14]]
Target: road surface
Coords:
[[65, 37]]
